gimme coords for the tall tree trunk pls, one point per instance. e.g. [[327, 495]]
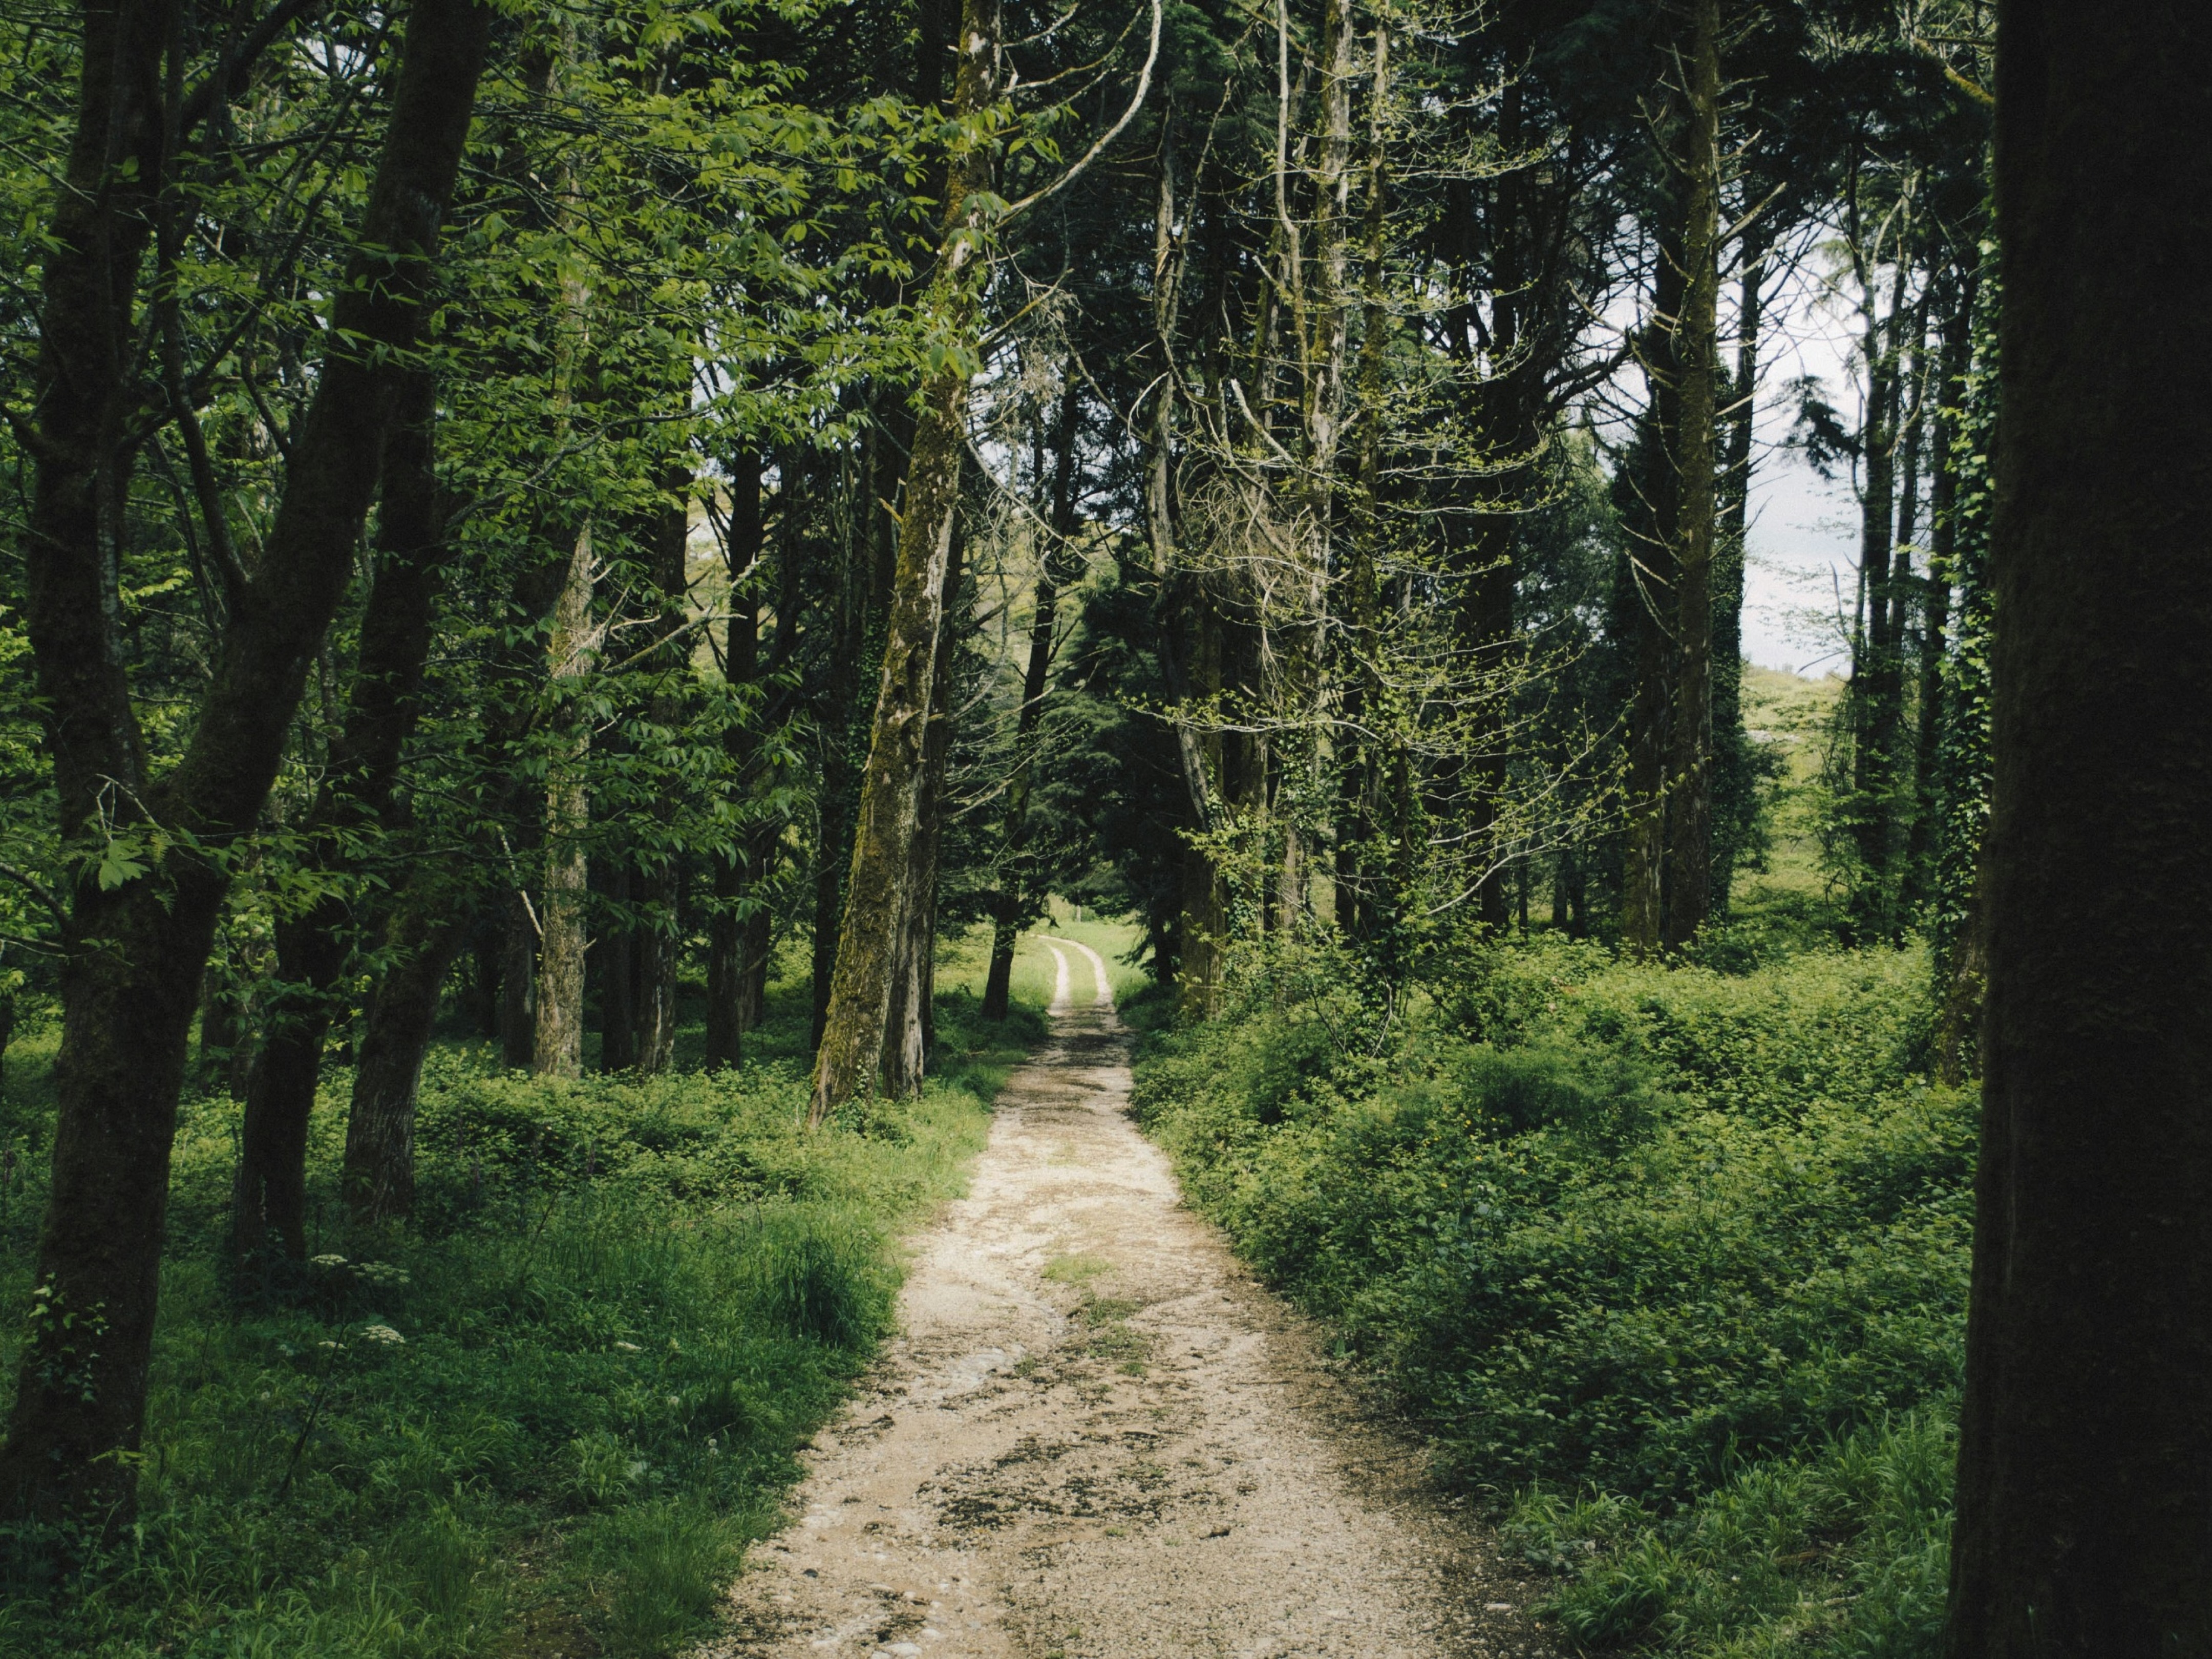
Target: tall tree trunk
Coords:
[[127, 1006], [852, 644], [2085, 1462], [1187, 663], [1689, 899], [908, 1028], [1650, 609], [1509, 443], [612, 961], [1202, 927], [1734, 805], [660, 886], [1875, 681], [1950, 390], [1358, 904], [270, 1200], [517, 979], [1009, 902], [557, 1049], [727, 980], [860, 991]]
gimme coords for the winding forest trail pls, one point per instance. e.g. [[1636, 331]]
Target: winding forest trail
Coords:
[[1098, 1439]]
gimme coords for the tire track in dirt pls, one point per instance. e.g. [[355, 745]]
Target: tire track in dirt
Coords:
[[1098, 1439]]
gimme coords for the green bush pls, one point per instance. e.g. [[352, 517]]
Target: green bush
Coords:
[[1645, 1232]]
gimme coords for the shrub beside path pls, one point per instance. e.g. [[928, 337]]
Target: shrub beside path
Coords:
[[1098, 1439]]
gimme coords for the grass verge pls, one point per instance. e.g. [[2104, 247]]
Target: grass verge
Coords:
[[548, 1418], [1672, 1262]]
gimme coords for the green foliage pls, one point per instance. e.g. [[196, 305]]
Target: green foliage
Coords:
[[1695, 1241], [1842, 1552], [565, 1403]]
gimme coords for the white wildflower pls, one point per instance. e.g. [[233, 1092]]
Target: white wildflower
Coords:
[[327, 1260], [384, 1333]]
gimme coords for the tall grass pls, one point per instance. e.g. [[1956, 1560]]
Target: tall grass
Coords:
[[550, 1415]]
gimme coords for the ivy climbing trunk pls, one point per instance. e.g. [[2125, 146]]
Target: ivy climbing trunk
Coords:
[[2085, 1460], [859, 986]]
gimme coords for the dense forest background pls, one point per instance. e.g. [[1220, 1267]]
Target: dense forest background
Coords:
[[574, 577]]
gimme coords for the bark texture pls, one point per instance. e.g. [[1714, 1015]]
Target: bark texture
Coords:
[[558, 1047], [910, 1028], [81, 1395], [377, 1176], [2085, 1438]]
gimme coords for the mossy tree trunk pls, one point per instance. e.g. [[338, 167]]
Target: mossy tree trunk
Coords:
[[557, 1045], [859, 988], [1690, 781], [909, 1030]]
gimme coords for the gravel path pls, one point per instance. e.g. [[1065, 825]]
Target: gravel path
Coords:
[[1098, 1439]]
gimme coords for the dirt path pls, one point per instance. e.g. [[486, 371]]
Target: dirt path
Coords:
[[1098, 1439]]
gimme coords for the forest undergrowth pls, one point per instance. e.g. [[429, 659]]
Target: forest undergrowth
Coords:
[[1671, 1262], [550, 1415]]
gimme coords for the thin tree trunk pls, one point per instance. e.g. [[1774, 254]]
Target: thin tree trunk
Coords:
[[1734, 803], [1875, 683], [557, 1048], [1013, 831], [270, 1200], [2085, 1460], [660, 886], [518, 982], [1358, 903], [612, 961], [766, 846], [1689, 897], [1649, 580], [377, 1176], [726, 977], [1489, 559], [127, 1006], [860, 991], [1950, 391], [1184, 653]]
